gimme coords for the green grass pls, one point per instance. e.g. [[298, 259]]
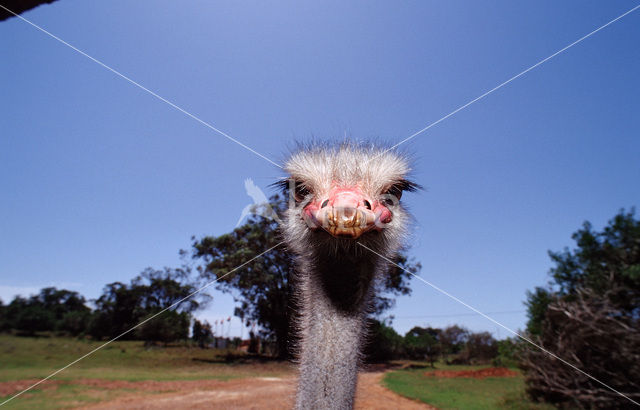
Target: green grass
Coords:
[[23, 358], [461, 393]]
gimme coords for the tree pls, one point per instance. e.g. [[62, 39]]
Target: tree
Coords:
[[593, 335], [383, 343], [201, 333], [70, 312], [50, 310], [589, 315], [603, 261], [27, 316], [121, 306], [453, 339], [263, 286], [4, 323], [509, 350], [169, 327], [537, 304], [422, 343], [481, 347]]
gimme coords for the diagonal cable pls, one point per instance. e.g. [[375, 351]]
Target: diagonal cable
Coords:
[[119, 74], [139, 324], [501, 325], [462, 107]]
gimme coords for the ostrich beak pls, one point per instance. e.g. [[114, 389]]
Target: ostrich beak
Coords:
[[346, 213]]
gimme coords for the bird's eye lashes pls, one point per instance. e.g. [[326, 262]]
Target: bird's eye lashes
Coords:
[[391, 196], [301, 191], [396, 190]]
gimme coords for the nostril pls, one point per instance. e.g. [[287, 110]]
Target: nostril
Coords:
[[325, 203], [367, 204]]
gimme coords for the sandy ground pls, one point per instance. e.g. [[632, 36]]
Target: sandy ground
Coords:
[[253, 393]]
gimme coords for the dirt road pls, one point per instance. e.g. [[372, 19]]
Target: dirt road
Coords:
[[253, 393]]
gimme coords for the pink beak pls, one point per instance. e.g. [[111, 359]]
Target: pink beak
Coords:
[[346, 212]]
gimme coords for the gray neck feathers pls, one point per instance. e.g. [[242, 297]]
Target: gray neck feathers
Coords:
[[335, 296]]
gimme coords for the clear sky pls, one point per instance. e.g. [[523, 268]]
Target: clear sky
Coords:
[[100, 180]]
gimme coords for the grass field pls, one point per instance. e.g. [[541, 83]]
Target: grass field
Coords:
[[25, 358], [461, 393]]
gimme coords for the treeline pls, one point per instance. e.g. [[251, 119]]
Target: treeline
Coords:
[[453, 345], [120, 308], [589, 315]]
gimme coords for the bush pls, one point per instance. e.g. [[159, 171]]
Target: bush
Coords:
[[383, 343], [589, 315], [422, 343], [596, 337]]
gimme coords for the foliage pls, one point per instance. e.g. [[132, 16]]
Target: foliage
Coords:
[[471, 348], [201, 333], [121, 307], [423, 344], [481, 347], [590, 315], [603, 259], [262, 286], [591, 331], [50, 310], [453, 339], [537, 303], [4, 324], [509, 351], [427, 343], [383, 343], [168, 327]]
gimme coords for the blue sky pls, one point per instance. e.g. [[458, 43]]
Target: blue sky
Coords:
[[100, 180]]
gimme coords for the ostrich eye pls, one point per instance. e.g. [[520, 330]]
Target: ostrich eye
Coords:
[[393, 191], [397, 189], [301, 191]]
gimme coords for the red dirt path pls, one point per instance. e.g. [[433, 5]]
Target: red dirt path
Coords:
[[258, 393], [250, 393]]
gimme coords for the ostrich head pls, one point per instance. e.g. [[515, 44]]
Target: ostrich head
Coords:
[[341, 197], [343, 194]]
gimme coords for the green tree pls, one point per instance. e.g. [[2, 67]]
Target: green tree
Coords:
[[4, 323], [481, 347], [201, 333], [590, 315], [383, 343], [168, 327], [122, 306], [453, 339], [602, 261], [28, 316], [537, 304], [50, 310], [422, 343], [262, 287], [509, 350]]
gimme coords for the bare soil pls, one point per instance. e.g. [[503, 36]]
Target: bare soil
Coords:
[[475, 374], [13, 387], [255, 393], [249, 393]]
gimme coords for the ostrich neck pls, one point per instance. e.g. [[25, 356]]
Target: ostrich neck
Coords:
[[335, 298]]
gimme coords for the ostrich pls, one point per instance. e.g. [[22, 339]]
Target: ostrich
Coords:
[[343, 196]]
